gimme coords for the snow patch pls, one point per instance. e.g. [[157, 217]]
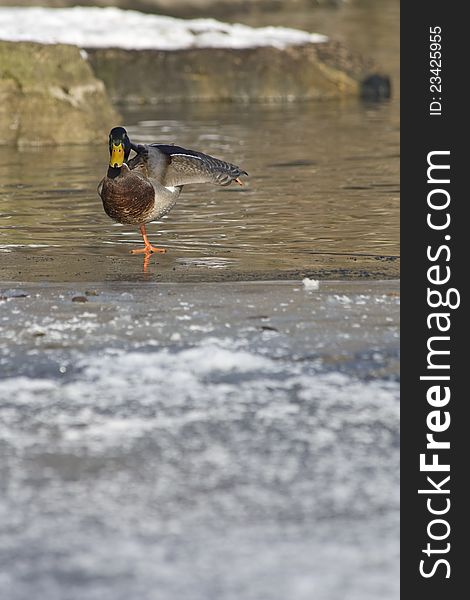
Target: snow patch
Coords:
[[310, 284], [93, 27]]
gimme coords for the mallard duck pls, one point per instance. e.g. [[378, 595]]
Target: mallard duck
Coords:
[[146, 187]]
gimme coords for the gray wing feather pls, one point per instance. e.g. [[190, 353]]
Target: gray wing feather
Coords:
[[175, 166], [150, 163]]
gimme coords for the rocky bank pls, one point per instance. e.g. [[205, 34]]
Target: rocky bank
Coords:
[[49, 95], [308, 72]]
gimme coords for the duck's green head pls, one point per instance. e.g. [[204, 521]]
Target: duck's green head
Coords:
[[119, 147]]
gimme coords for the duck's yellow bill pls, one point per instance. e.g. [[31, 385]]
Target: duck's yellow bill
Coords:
[[117, 155]]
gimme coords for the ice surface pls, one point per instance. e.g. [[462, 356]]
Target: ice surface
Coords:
[[144, 456]]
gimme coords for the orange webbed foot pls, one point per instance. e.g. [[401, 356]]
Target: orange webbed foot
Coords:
[[148, 250]]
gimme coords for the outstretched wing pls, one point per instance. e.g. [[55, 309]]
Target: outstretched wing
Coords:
[[174, 166]]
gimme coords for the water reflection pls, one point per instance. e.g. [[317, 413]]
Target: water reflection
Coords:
[[323, 180]]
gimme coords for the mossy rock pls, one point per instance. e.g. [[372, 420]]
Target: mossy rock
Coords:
[[308, 72], [49, 95]]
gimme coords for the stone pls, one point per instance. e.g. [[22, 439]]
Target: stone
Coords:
[[49, 95], [307, 72]]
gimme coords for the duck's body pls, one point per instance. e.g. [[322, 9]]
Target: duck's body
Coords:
[[130, 197], [147, 187]]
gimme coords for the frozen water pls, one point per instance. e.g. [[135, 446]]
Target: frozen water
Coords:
[[149, 457]]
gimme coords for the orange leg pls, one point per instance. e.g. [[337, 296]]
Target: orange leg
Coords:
[[148, 249], [146, 262]]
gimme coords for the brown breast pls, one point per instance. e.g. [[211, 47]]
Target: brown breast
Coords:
[[128, 198]]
